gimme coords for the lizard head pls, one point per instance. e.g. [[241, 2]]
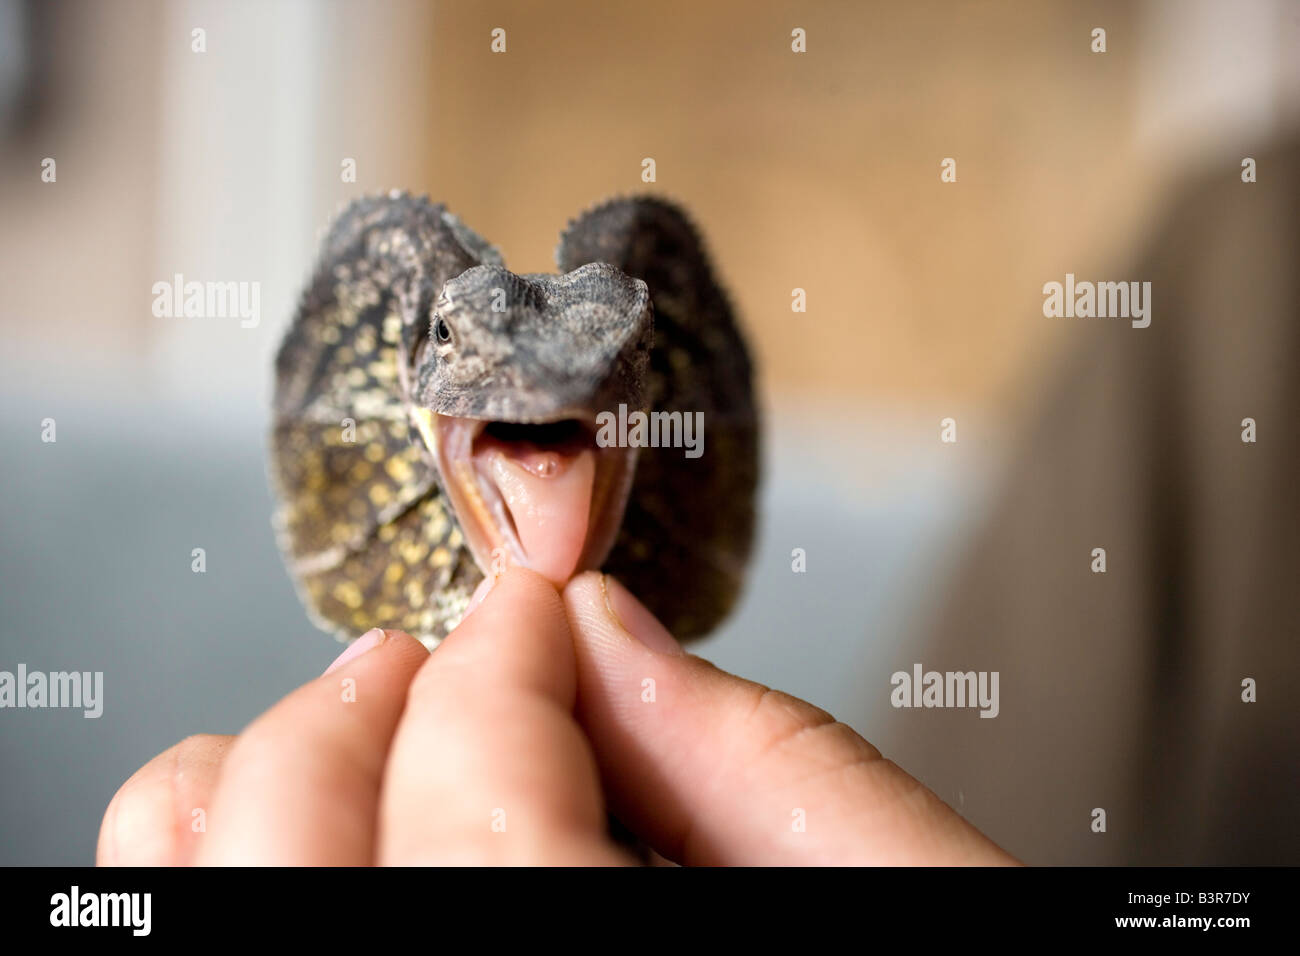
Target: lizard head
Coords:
[[510, 381]]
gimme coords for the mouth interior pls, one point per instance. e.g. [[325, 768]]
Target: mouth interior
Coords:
[[552, 442], [543, 496]]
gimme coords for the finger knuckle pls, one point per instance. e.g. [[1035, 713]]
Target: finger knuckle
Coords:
[[778, 718]]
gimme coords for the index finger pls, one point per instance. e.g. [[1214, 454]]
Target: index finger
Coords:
[[488, 764]]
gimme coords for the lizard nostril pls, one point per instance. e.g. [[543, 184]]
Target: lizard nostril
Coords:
[[441, 331]]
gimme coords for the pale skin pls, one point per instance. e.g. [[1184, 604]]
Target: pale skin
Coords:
[[509, 745]]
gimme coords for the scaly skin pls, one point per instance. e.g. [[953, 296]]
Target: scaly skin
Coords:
[[366, 527]]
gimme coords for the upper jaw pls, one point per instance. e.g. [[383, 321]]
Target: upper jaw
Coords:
[[538, 493]]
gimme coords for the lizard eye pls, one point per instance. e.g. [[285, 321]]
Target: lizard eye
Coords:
[[441, 331]]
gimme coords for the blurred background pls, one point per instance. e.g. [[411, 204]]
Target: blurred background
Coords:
[[816, 170]]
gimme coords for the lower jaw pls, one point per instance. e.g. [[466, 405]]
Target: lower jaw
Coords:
[[554, 509]]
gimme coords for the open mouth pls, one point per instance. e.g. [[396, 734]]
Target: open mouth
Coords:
[[543, 496]]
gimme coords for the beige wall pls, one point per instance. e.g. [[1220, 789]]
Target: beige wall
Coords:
[[818, 170]]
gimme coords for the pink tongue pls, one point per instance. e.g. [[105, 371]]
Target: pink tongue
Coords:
[[549, 497]]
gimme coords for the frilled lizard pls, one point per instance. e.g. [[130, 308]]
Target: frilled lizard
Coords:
[[435, 418]]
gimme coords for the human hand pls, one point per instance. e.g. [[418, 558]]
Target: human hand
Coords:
[[503, 746]]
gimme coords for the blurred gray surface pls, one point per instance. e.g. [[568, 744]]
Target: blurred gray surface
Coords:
[[96, 532]]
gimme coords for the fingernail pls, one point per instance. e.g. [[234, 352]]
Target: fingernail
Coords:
[[636, 619], [371, 639], [479, 594]]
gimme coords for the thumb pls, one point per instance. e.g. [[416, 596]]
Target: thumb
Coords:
[[712, 769]]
